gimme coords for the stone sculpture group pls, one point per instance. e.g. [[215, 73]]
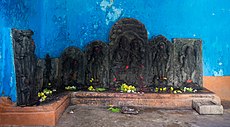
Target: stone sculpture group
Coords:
[[129, 57]]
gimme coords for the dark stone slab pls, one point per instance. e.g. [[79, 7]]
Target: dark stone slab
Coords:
[[72, 67], [25, 64], [188, 62], [51, 73], [39, 76], [47, 72], [161, 57], [97, 63], [128, 59]]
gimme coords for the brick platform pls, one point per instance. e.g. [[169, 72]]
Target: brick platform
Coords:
[[50, 113], [37, 115], [167, 101]]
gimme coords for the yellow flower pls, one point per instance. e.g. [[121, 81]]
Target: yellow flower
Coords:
[[39, 94], [161, 89], [126, 87], [91, 80], [91, 88], [44, 98], [156, 89], [171, 88]]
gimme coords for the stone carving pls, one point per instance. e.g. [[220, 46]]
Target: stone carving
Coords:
[[25, 63], [96, 73], [39, 76], [128, 40], [128, 58], [72, 67], [47, 72], [188, 62], [161, 56], [51, 71]]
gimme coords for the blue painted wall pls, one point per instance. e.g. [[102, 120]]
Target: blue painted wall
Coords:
[[21, 14], [66, 23], [61, 23], [7, 71]]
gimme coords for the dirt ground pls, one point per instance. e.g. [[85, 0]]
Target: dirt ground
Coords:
[[83, 116]]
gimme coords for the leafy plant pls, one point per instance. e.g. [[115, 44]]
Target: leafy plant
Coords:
[[114, 109], [100, 89], [70, 88]]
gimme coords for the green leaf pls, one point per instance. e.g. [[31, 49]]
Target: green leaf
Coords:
[[100, 89], [114, 109]]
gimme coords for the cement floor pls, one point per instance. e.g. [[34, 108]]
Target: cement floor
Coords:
[[101, 117]]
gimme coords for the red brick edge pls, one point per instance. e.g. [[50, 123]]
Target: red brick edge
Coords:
[[38, 115]]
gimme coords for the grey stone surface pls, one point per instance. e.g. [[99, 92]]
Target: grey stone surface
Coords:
[[207, 107], [188, 62], [101, 117]]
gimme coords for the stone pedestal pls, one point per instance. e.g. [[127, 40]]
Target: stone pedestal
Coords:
[[154, 100]]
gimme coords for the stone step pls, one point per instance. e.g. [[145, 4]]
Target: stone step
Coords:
[[155, 100], [207, 107]]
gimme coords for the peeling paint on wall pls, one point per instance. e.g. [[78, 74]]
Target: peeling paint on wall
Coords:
[[112, 13], [218, 73]]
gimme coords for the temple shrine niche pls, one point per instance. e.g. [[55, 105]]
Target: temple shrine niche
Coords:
[[72, 67], [161, 57], [128, 59], [188, 63], [25, 65], [97, 71]]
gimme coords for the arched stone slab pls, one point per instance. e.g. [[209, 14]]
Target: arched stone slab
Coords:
[[128, 59], [161, 65], [97, 71], [72, 67]]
